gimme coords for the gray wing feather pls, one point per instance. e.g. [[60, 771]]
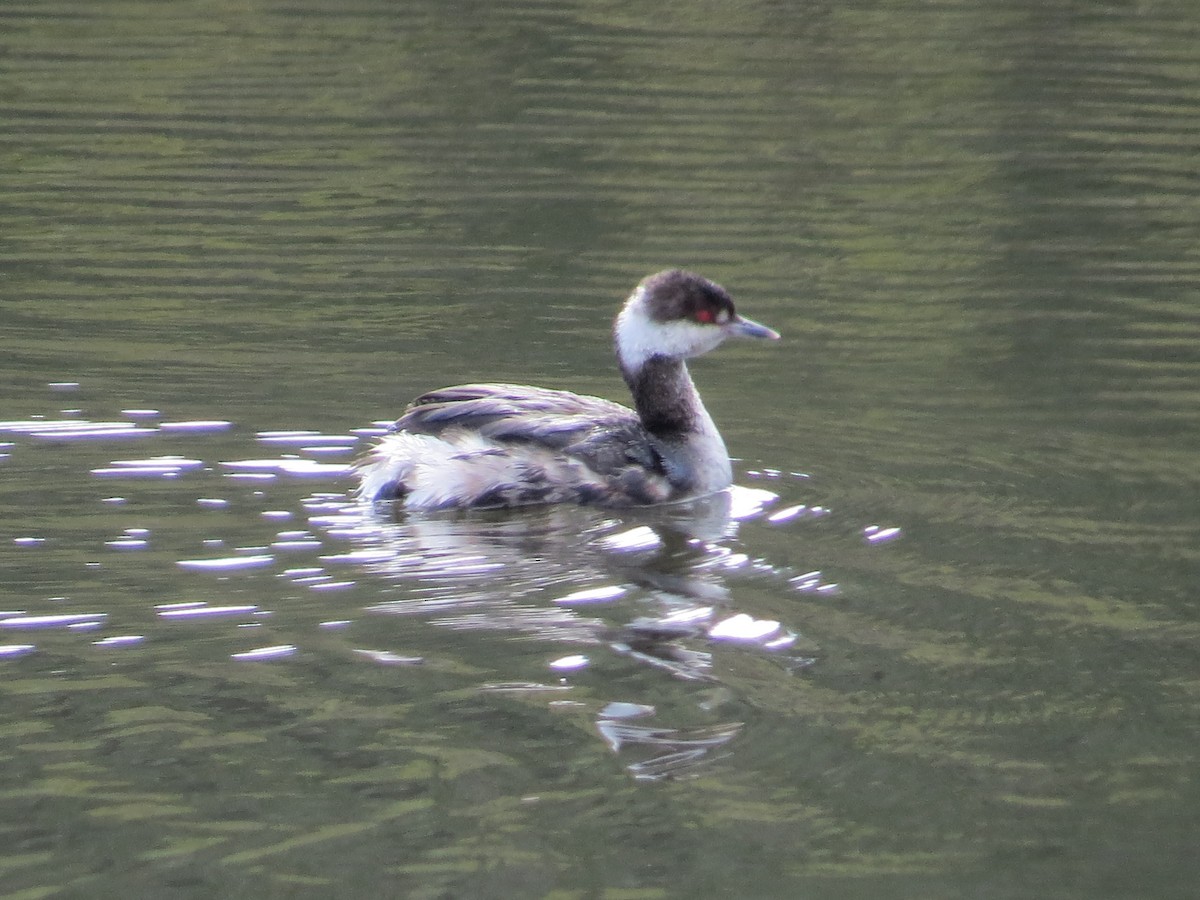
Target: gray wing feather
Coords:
[[605, 435]]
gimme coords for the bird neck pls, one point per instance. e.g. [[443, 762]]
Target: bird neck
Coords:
[[665, 397]]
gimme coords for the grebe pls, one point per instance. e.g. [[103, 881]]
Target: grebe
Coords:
[[498, 445]]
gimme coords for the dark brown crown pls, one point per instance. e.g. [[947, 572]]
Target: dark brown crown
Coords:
[[676, 294]]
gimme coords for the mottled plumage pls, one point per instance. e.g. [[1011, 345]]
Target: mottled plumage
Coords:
[[494, 445]]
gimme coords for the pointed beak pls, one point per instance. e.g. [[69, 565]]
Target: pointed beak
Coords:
[[748, 328]]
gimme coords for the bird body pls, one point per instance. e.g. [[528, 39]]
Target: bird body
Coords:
[[501, 445]]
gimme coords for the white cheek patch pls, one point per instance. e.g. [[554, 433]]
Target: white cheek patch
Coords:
[[640, 337], [685, 338]]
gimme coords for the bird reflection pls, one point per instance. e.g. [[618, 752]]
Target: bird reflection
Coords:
[[652, 585]]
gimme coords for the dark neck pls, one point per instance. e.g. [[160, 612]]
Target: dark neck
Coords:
[[664, 396]]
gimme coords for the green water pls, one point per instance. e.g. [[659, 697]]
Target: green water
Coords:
[[976, 228]]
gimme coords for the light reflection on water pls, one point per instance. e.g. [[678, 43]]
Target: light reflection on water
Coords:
[[973, 223], [651, 586], [647, 592], [655, 592]]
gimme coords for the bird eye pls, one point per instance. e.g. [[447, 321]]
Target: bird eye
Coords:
[[704, 315]]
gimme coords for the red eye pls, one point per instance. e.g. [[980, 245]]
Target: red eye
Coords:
[[705, 316]]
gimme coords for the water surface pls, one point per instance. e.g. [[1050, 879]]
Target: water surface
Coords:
[[941, 643]]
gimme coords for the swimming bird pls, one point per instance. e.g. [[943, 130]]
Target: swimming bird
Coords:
[[504, 445]]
